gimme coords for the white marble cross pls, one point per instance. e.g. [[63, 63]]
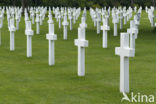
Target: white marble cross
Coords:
[[51, 37], [29, 33], [12, 29], [81, 42], [65, 24], [124, 51], [115, 21], [105, 28], [37, 24]]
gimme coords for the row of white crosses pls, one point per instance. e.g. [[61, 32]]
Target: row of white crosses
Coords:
[[117, 14], [71, 13], [127, 48], [50, 36], [81, 43], [40, 16], [13, 13], [28, 31], [96, 17]]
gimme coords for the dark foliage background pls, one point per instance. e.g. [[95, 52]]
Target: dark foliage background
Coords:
[[78, 3]]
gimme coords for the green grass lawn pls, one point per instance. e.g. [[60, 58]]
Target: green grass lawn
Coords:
[[31, 81]]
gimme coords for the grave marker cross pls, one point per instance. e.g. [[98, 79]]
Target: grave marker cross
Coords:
[[124, 51]]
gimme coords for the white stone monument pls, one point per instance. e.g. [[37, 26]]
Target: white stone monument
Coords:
[[51, 37], [65, 24], [29, 33], [115, 21], [81, 42], [37, 24], [105, 28], [12, 29], [124, 51]]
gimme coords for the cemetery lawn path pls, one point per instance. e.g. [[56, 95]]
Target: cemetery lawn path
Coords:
[[31, 81]]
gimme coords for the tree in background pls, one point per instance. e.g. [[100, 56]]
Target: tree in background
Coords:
[[153, 2], [78, 3], [132, 3]]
